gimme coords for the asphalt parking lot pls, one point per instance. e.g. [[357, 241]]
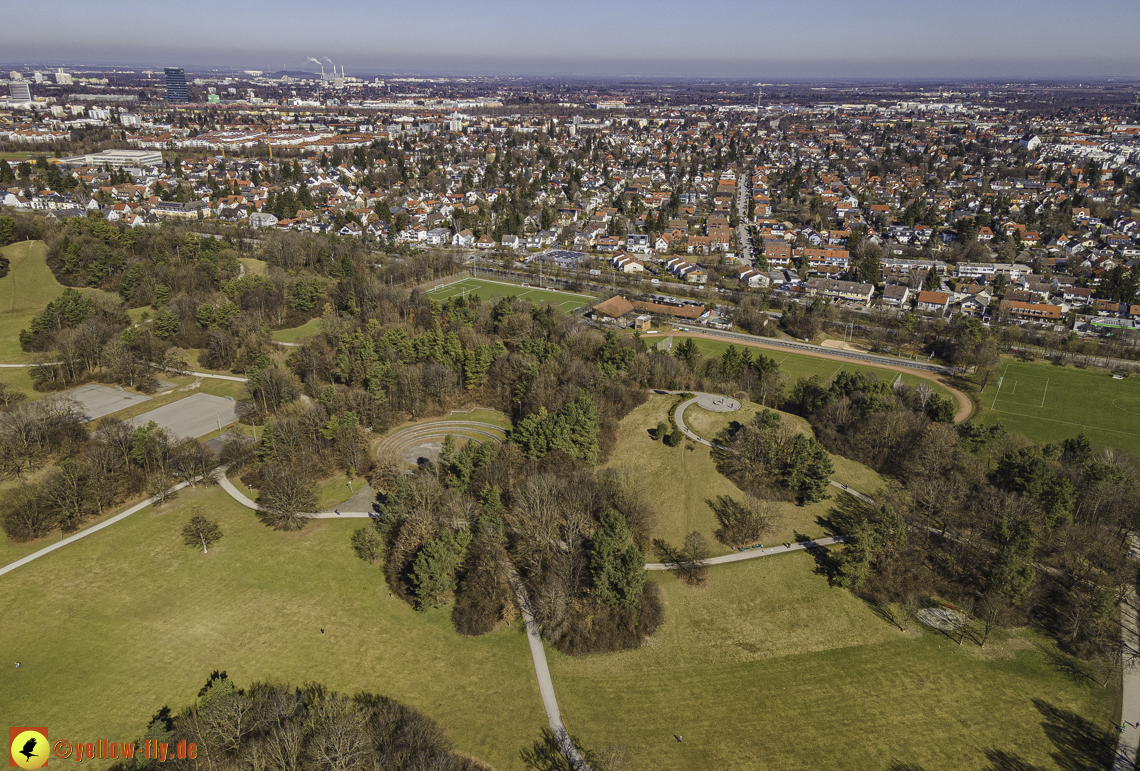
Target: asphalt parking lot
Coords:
[[100, 400], [192, 417]]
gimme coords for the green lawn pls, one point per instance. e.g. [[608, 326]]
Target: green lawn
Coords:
[[492, 290], [21, 379], [768, 667], [1049, 403], [308, 329], [24, 292], [111, 628], [254, 267], [680, 482], [797, 365]]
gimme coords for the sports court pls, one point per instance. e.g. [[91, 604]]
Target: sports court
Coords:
[[567, 302], [1046, 402], [100, 400], [192, 417]]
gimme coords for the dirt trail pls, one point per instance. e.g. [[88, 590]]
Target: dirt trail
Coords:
[[965, 404]]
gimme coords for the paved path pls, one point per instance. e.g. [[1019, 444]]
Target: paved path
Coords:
[[545, 683], [244, 500], [1129, 743], [84, 533], [749, 554]]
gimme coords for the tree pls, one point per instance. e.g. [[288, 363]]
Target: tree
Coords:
[[433, 572], [617, 568], [743, 524], [661, 431], [25, 514], [808, 471], [692, 565], [367, 544], [200, 531], [175, 359], [285, 497]]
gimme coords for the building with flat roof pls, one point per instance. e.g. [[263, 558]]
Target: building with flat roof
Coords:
[[176, 85], [21, 91], [116, 159]]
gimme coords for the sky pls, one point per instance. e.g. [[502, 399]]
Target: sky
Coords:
[[808, 39]]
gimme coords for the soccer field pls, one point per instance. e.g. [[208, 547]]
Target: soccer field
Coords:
[[1049, 403], [567, 302]]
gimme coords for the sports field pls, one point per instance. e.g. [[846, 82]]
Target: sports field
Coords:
[[567, 302], [1049, 403]]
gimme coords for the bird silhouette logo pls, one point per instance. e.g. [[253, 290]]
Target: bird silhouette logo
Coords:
[[29, 745], [28, 748]]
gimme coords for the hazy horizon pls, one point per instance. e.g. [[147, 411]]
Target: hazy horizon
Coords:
[[886, 39]]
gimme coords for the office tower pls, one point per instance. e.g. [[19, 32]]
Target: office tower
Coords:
[[176, 85]]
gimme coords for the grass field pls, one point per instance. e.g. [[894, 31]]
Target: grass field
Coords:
[[768, 667], [681, 481], [1049, 403], [492, 290], [797, 365], [24, 292], [308, 329], [113, 627], [254, 267]]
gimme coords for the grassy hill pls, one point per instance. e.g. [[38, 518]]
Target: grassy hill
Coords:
[[769, 667], [681, 481], [24, 292], [129, 619]]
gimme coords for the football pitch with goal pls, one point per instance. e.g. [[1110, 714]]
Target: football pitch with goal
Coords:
[[1049, 403], [493, 290]]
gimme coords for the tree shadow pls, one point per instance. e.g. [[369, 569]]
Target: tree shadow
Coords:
[[883, 611], [1066, 665], [1080, 745], [545, 754], [1000, 760]]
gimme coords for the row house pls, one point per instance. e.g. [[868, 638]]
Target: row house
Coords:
[[687, 272], [820, 257], [852, 291], [1030, 311]]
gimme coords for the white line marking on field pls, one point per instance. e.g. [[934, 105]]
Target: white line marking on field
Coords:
[[1045, 392]]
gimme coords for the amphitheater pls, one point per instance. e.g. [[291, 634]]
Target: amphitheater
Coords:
[[422, 442]]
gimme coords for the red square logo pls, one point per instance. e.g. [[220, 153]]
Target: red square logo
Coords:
[[28, 748]]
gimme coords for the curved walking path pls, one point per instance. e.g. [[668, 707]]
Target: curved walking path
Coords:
[[244, 500], [918, 369], [93, 529]]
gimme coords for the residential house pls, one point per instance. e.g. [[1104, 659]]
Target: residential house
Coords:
[[933, 302], [839, 290], [895, 294]]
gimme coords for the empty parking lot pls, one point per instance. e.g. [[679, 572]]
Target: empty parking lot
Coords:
[[192, 417], [100, 400]]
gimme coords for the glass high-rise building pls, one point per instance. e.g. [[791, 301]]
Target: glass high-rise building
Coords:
[[176, 85]]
